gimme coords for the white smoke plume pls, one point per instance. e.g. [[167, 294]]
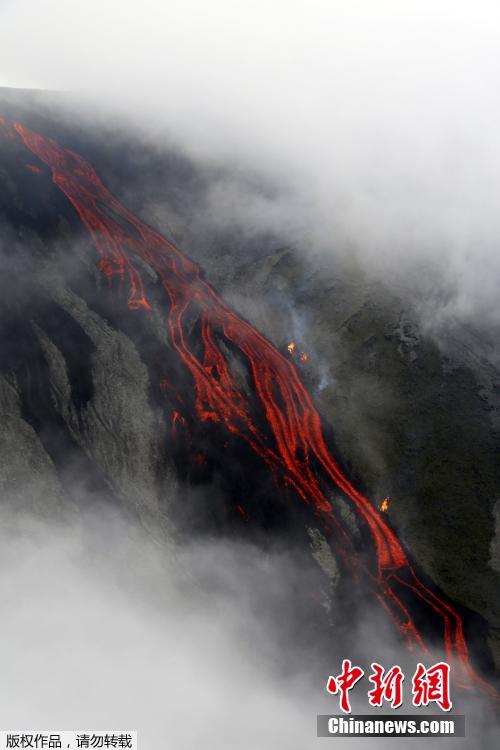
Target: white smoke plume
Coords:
[[377, 119]]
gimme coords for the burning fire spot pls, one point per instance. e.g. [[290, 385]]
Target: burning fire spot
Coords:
[[292, 349], [385, 504]]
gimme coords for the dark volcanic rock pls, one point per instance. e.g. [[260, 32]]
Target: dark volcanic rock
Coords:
[[413, 416]]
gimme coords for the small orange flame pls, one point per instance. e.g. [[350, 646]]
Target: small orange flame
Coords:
[[291, 347], [385, 504]]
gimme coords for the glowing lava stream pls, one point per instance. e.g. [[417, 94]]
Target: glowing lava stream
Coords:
[[294, 424]]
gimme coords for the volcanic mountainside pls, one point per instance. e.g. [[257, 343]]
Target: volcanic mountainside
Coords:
[[152, 359]]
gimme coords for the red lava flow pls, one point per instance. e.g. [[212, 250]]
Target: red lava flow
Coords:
[[33, 168], [297, 439]]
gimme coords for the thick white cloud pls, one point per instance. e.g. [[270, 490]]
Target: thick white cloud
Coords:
[[106, 632], [381, 115], [191, 647]]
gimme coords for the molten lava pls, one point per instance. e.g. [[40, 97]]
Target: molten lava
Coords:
[[33, 168], [289, 438]]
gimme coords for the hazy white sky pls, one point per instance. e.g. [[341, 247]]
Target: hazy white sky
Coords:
[[382, 115]]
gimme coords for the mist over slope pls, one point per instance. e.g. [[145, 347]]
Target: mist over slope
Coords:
[[88, 418], [378, 119]]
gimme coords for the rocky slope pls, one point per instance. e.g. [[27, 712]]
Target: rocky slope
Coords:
[[87, 405]]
